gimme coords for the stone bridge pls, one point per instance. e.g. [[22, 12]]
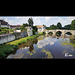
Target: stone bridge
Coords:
[[63, 31]]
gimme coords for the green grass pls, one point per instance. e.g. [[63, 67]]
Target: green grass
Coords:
[[7, 48], [22, 40]]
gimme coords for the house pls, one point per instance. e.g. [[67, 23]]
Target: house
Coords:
[[14, 26], [4, 24], [41, 28], [29, 30]]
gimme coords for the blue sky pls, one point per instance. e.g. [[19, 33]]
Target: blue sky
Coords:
[[38, 20]]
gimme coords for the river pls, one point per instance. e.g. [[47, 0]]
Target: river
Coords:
[[46, 47]]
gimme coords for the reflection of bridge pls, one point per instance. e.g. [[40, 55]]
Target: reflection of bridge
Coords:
[[63, 31]]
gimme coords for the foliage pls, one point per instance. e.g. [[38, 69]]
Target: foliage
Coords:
[[48, 28], [44, 25], [25, 24], [4, 30], [7, 48], [47, 54], [53, 27], [59, 26], [22, 40], [66, 42], [30, 21], [23, 28], [72, 25], [11, 30], [67, 26], [34, 29], [17, 28]]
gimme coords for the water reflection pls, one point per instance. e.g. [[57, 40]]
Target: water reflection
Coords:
[[29, 44], [45, 42], [47, 46]]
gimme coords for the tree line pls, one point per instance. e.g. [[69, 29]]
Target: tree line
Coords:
[[59, 26]]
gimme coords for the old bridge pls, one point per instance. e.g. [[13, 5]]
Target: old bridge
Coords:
[[62, 31]]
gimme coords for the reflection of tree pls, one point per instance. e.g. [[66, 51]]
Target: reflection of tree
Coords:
[[29, 44], [31, 47], [35, 41]]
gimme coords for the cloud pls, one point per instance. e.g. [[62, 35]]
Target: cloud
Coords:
[[45, 42], [9, 21], [47, 18]]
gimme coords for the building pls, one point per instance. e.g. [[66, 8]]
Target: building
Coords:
[[29, 30], [41, 28], [4, 24], [14, 26]]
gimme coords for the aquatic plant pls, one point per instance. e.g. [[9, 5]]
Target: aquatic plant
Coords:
[[48, 53], [33, 51], [28, 52]]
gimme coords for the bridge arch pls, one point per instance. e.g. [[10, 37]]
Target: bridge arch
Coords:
[[50, 33], [58, 33], [63, 31], [68, 32]]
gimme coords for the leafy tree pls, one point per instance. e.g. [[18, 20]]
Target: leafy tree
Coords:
[[48, 28], [44, 25], [23, 28], [17, 28], [53, 27], [34, 29], [67, 26], [59, 26], [72, 25], [30, 21], [25, 24]]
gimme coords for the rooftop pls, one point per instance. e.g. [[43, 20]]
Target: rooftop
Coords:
[[2, 22], [15, 25], [39, 26]]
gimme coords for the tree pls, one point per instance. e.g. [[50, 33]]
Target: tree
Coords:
[[53, 27], [72, 25], [23, 28], [44, 25], [59, 26], [34, 29], [30, 21], [25, 24], [67, 26], [17, 28]]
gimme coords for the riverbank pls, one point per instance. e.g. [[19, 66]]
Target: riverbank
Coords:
[[7, 48]]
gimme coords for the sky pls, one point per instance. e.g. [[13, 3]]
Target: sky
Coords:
[[39, 20]]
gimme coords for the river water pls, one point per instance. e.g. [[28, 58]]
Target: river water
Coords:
[[46, 47]]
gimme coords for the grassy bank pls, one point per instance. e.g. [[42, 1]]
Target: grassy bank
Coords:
[[6, 49]]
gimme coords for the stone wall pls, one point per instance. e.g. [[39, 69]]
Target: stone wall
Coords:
[[6, 38]]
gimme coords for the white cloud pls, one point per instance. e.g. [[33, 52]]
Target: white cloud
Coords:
[[45, 42], [9, 21], [47, 18]]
